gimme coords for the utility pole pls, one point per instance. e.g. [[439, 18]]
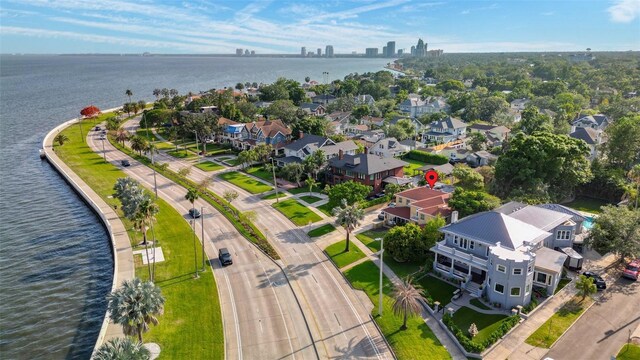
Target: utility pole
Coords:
[[202, 226], [195, 247], [381, 274], [275, 184]]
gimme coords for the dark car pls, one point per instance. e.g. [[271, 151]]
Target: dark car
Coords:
[[97, 128], [125, 163], [195, 213], [597, 279], [225, 257], [381, 215]]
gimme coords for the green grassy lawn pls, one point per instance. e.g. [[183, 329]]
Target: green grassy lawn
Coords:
[[438, 290], [191, 325], [417, 341], [243, 181], [403, 269], [272, 196], [325, 209], [587, 205], [368, 238], [150, 137], [557, 324], [561, 284], [259, 172], [340, 257], [300, 190], [233, 162], [631, 352], [322, 230], [413, 166], [209, 166], [182, 154], [310, 199], [479, 304], [296, 212], [212, 149], [486, 323]]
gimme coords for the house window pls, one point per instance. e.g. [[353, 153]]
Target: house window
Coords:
[[528, 288], [543, 278], [529, 269], [408, 202], [501, 268], [563, 235], [421, 216], [517, 271], [499, 288], [455, 239], [515, 291], [472, 245]]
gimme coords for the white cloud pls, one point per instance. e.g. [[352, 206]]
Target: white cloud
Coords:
[[624, 11], [548, 13]]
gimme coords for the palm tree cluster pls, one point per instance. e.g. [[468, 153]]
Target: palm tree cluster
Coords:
[[133, 107], [122, 349], [139, 208], [136, 305]]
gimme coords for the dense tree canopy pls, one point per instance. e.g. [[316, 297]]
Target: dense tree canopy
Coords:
[[468, 202], [351, 191], [623, 144], [617, 230]]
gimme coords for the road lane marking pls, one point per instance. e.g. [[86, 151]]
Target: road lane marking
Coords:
[[235, 315]]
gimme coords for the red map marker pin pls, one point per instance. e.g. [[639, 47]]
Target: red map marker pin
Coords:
[[431, 177]]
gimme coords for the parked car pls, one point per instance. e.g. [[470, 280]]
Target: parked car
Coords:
[[225, 257], [381, 215], [125, 163], [597, 279], [195, 213], [103, 132], [97, 128], [102, 137], [632, 270], [382, 194], [392, 204]]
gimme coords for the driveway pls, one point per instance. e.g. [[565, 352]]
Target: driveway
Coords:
[[605, 327]]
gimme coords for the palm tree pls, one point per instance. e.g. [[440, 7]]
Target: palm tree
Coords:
[[61, 139], [585, 286], [122, 348], [147, 211], [348, 216], [135, 305], [406, 300], [128, 93], [138, 143], [192, 196], [311, 183], [122, 135]]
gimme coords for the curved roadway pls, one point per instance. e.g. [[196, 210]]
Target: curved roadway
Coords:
[[261, 317]]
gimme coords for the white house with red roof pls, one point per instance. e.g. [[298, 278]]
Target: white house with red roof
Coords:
[[418, 205]]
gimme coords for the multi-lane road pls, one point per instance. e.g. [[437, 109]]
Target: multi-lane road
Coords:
[[338, 319]]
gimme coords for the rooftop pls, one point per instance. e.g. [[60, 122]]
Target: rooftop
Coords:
[[366, 163], [549, 259]]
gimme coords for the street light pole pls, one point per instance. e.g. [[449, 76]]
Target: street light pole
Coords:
[[202, 226], [275, 184], [155, 184], [195, 247], [381, 271]]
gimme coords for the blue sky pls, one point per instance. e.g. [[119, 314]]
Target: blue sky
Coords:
[[281, 26]]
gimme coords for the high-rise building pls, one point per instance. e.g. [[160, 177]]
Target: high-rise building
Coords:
[[413, 50], [400, 52], [384, 51], [303, 51], [246, 52], [253, 52], [238, 52], [421, 50], [319, 52], [328, 52], [371, 52], [391, 49]]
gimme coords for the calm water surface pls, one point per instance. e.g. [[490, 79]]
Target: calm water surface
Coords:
[[55, 260]]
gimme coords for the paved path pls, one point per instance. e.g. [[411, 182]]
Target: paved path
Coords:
[[340, 324], [124, 267], [260, 314]]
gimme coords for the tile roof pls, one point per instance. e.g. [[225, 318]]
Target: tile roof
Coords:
[[400, 211], [422, 193], [269, 127]]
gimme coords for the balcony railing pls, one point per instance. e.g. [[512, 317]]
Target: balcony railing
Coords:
[[460, 255]]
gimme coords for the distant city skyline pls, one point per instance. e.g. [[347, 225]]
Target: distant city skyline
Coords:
[[266, 27]]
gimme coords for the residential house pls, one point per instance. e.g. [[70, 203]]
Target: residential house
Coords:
[[495, 134], [372, 121], [417, 107], [446, 130], [480, 158], [412, 144], [262, 104], [364, 100], [355, 129], [324, 99], [388, 147], [505, 253], [416, 123], [270, 132], [366, 169], [592, 137], [369, 138], [417, 205], [307, 144], [231, 132], [519, 104], [313, 109], [597, 122]]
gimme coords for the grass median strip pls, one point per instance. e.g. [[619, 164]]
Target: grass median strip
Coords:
[[343, 258], [244, 182], [209, 166], [629, 352], [192, 322], [417, 341], [322, 230], [296, 212], [182, 154], [552, 329]]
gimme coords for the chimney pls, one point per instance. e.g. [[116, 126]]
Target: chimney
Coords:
[[340, 154], [300, 134], [454, 216]]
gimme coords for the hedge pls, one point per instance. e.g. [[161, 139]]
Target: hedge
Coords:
[[471, 346], [426, 157]]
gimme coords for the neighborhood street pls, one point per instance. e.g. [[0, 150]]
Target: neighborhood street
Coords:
[[604, 328], [339, 320], [260, 315]]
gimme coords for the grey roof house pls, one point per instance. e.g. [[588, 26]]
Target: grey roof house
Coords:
[[598, 121], [593, 137], [307, 144], [445, 130]]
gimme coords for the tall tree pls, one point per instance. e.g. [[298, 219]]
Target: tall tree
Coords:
[[122, 348], [293, 172], [622, 148], [311, 183], [138, 143], [349, 191], [129, 93], [122, 135], [135, 305], [468, 202], [406, 300], [348, 216], [532, 121], [617, 230], [468, 178], [585, 286]]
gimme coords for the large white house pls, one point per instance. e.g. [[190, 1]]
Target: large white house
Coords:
[[446, 130]]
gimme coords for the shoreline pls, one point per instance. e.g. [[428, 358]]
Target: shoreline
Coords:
[[121, 251]]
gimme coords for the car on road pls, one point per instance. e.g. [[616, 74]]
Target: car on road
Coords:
[[597, 279], [392, 204], [195, 213], [102, 137], [125, 163], [97, 128], [632, 270], [381, 215], [225, 257]]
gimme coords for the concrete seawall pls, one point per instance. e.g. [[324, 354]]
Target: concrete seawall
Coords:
[[123, 265]]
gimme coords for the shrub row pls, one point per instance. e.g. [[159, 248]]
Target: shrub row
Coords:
[[378, 201], [471, 346], [426, 157], [240, 222]]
